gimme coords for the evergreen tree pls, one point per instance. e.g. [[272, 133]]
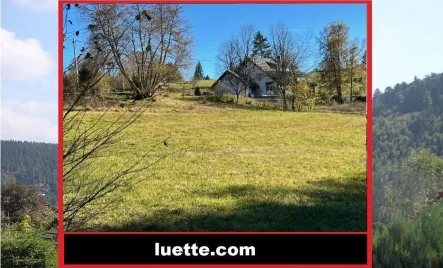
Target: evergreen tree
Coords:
[[207, 77], [85, 73], [408, 174], [261, 47], [198, 74], [197, 91], [30, 164]]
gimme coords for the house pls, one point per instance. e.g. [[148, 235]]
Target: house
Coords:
[[229, 83], [51, 234], [263, 72]]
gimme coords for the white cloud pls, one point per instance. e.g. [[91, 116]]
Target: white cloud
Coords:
[[50, 86], [38, 5], [29, 120], [406, 40], [23, 59]]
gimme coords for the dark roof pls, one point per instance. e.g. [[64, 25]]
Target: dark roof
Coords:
[[265, 64], [269, 67], [51, 234], [223, 75]]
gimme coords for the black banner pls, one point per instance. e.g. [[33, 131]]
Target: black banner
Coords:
[[208, 248]]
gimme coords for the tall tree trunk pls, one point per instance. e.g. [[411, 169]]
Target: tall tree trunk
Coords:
[[284, 100], [340, 95], [339, 88], [350, 97]]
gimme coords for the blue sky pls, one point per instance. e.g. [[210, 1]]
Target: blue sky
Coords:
[[222, 21], [406, 42]]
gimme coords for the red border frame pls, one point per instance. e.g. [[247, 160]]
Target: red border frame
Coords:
[[368, 132]]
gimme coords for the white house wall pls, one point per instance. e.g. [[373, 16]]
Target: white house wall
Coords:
[[260, 78], [257, 75]]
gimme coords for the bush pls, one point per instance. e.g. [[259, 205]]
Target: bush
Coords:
[[225, 98], [305, 106], [19, 201], [27, 249], [197, 91], [416, 243]]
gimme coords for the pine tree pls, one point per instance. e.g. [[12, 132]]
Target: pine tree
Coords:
[[197, 91], [207, 77], [261, 46], [198, 74]]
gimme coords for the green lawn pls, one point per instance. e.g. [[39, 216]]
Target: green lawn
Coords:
[[239, 170], [190, 85]]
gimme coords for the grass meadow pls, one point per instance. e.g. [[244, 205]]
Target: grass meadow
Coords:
[[191, 85], [229, 168]]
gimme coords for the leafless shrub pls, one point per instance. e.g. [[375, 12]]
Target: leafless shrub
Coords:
[[86, 143]]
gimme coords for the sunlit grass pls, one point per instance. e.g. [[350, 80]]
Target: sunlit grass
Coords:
[[239, 169]]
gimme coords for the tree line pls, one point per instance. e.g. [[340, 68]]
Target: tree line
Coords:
[[28, 201], [335, 62], [140, 48], [408, 174], [31, 163]]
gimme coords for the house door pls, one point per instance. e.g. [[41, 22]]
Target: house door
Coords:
[[255, 90]]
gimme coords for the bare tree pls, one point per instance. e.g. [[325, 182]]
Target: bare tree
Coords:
[[332, 42], [293, 54], [228, 55], [233, 56], [229, 58], [245, 45], [141, 46], [85, 143]]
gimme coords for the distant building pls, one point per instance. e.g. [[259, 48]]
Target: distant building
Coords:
[[51, 234], [263, 75]]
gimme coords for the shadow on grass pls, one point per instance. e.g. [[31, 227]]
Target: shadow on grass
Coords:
[[328, 205]]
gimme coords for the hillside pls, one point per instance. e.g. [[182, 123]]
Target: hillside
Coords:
[[406, 117], [407, 173], [188, 87], [31, 163]]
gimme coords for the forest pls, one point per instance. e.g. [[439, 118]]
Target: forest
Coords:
[[408, 174], [28, 200], [31, 163]]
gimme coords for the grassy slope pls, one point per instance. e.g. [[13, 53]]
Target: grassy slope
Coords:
[[243, 170], [189, 85]]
